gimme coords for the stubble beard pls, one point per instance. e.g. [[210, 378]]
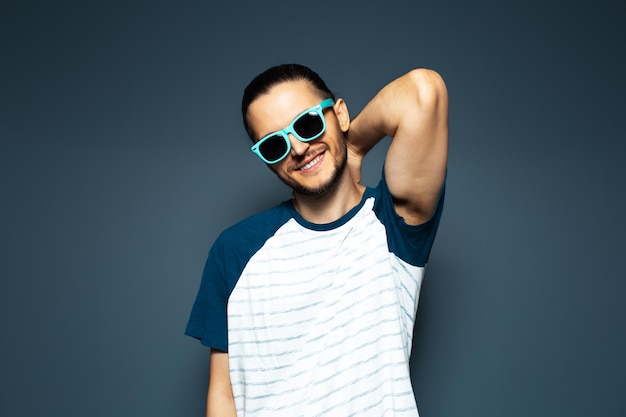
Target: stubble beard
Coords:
[[326, 187]]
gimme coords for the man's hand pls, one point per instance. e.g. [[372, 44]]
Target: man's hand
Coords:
[[355, 160]]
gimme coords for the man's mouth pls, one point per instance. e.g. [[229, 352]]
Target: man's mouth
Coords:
[[311, 163]]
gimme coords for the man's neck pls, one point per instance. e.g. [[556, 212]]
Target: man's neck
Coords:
[[331, 206]]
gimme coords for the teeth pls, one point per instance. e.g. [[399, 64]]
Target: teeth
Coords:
[[310, 164]]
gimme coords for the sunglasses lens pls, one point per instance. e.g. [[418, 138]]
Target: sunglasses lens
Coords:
[[309, 125], [273, 148]]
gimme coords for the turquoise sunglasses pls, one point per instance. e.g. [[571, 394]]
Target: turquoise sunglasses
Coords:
[[309, 125]]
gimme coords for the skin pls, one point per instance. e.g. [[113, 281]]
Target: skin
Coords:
[[412, 109], [220, 401], [325, 191]]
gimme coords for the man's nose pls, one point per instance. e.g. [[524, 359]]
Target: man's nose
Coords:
[[298, 147]]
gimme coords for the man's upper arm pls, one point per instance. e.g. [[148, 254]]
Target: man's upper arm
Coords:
[[415, 165]]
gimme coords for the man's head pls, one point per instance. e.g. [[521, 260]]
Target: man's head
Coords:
[[277, 101], [263, 82]]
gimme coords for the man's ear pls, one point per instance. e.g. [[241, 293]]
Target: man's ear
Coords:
[[341, 111]]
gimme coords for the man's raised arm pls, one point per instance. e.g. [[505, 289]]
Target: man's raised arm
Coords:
[[413, 110]]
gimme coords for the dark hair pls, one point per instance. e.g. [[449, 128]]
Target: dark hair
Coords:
[[263, 82]]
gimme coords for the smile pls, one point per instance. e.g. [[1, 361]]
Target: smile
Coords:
[[311, 164]]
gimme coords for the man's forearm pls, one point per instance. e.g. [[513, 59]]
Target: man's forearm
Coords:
[[376, 120], [220, 404], [396, 102]]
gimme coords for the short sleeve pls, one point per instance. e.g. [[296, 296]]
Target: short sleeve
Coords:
[[227, 259], [410, 243], [208, 319]]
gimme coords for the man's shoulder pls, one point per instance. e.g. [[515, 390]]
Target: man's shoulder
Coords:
[[257, 227]]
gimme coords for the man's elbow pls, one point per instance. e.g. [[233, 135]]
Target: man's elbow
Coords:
[[429, 87]]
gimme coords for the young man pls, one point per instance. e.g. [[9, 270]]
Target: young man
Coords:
[[309, 307]]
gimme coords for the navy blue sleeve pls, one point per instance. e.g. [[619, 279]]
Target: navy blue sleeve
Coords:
[[410, 243], [227, 259], [208, 319]]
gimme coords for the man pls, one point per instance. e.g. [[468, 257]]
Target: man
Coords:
[[309, 307]]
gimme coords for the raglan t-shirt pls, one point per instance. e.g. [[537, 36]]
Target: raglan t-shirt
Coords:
[[317, 319]]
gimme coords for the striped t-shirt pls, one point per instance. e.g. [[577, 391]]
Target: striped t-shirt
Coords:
[[317, 319]]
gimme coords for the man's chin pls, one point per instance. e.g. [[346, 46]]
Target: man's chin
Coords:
[[318, 191], [313, 192]]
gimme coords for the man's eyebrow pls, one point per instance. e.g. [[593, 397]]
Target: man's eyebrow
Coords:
[[267, 134], [280, 130]]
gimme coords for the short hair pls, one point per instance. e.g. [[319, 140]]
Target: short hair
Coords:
[[263, 82]]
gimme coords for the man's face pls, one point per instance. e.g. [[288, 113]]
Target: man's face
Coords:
[[311, 168]]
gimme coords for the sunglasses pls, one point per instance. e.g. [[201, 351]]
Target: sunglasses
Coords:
[[309, 125]]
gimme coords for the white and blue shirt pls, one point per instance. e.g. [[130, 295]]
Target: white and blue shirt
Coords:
[[317, 319]]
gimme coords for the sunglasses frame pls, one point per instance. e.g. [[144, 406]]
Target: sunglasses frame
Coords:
[[319, 109]]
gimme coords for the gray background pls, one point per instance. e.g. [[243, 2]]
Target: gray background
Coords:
[[122, 157]]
